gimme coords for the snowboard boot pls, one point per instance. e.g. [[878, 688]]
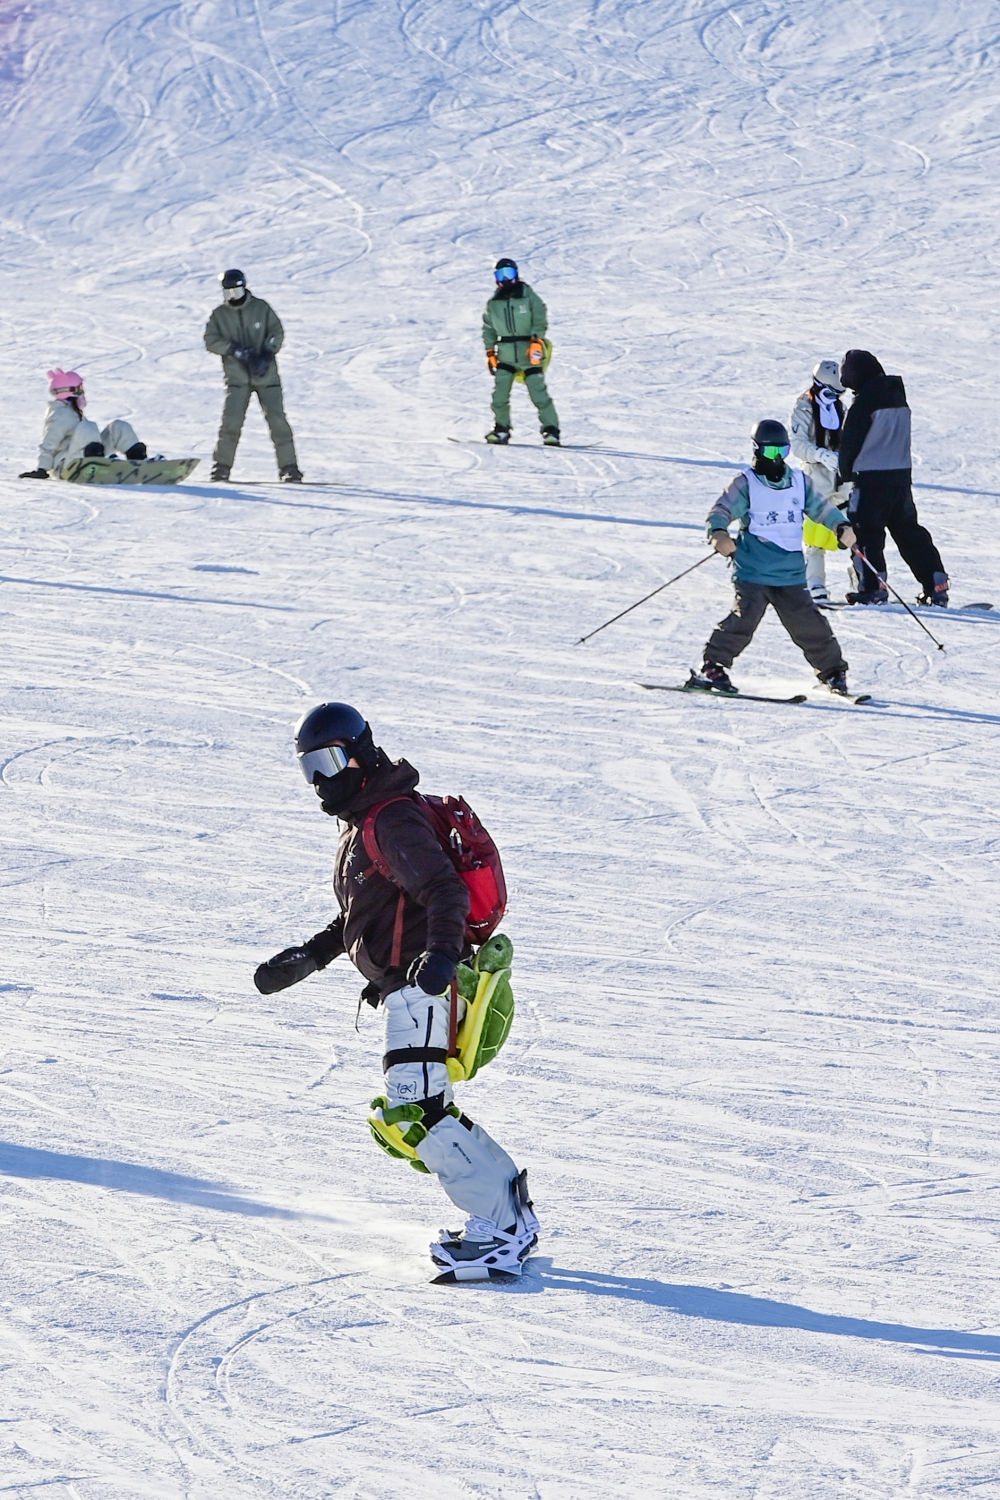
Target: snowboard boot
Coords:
[[219, 472], [482, 1247], [836, 681], [94, 450], [711, 678], [550, 437], [869, 596], [290, 474], [137, 453], [937, 593], [499, 435]]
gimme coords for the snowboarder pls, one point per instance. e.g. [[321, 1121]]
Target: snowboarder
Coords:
[[69, 435], [514, 325], [408, 949], [769, 501], [246, 333], [815, 427], [875, 454]]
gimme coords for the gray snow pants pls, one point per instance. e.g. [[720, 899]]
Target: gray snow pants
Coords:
[[534, 384], [234, 412], [807, 626]]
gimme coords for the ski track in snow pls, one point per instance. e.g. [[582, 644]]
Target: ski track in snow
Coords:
[[753, 1068]]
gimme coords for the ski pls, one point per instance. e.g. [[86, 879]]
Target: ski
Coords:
[[669, 687], [856, 699]]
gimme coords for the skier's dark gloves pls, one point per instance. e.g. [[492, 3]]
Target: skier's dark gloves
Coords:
[[285, 968], [432, 972], [241, 352], [260, 364], [34, 474], [328, 944]]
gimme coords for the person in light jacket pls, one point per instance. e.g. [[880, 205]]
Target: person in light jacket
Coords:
[[246, 333], [815, 427], [69, 435]]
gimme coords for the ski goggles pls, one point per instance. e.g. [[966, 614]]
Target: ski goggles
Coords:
[[67, 390], [505, 273], [326, 761], [233, 293], [775, 450]]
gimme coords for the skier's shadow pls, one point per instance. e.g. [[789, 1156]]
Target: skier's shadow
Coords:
[[753, 1312], [128, 1177]]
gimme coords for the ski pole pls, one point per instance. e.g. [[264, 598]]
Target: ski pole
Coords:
[[902, 601], [645, 597]]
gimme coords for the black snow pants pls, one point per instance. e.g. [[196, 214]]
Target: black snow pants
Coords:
[[807, 626], [883, 501]]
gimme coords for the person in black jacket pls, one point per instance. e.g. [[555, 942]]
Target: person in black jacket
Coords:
[[874, 454], [406, 936]]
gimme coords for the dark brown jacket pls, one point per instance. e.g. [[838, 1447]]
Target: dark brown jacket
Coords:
[[436, 901]]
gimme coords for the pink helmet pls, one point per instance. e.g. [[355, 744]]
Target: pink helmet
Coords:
[[65, 384]]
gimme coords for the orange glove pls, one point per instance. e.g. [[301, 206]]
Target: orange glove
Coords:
[[492, 359], [536, 351]]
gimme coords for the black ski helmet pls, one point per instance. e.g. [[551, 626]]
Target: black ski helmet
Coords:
[[770, 434], [336, 724], [232, 279]]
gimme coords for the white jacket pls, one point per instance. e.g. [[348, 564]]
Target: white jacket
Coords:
[[66, 435], [819, 463]]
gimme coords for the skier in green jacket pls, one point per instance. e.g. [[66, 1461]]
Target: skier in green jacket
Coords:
[[247, 333], [514, 325]]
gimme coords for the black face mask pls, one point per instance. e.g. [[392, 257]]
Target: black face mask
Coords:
[[769, 468], [337, 792]]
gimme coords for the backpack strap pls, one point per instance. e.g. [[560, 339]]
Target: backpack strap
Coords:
[[379, 864]]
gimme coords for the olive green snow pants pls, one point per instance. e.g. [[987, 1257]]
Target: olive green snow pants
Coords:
[[534, 380], [234, 411]]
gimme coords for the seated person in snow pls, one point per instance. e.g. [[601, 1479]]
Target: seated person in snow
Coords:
[[69, 435]]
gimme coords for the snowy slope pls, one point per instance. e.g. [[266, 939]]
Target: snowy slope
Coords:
[[753, 1072]]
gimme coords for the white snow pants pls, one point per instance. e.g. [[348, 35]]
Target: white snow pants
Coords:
[[474, 1171], [816, 570], [117, 437]]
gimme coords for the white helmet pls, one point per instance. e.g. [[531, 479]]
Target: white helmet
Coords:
[[827, 372]]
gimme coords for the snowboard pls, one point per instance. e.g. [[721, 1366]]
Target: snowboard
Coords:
[[124, 471], [479, 442]]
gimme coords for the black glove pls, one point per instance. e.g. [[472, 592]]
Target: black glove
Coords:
[[285, 968], [241, 352], [261, 363], [432, 972], [34, 474]]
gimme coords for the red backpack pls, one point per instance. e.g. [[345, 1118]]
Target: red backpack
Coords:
[[470, 849]]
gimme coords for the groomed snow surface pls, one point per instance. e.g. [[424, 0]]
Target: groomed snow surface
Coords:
[[754, 1070]]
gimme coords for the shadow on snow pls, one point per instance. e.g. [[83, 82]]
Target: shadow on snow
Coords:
[[755, 1312], [127, 1177]]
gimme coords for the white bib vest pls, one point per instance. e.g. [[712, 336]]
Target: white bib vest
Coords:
[[776, 515]]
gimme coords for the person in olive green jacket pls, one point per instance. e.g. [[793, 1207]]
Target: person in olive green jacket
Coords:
[[514, 325], [247, 333]]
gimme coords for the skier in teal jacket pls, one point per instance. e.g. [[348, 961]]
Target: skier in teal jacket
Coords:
[[514, 325], [769, 502]]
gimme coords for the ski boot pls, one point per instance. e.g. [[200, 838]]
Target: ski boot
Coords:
[[499, 435], [290, 474], [219, 472], [711, 679], [550, 437], [836, 681]]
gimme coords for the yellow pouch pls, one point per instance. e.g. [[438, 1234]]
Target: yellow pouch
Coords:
[[815, 535]]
